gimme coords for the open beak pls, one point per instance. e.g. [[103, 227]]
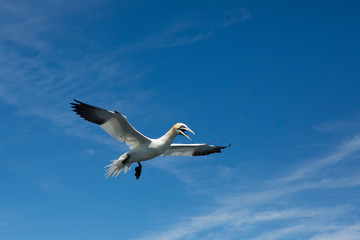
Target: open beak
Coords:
[[182, 132]]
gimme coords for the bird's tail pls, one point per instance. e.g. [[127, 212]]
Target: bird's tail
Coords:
[[116, 167]]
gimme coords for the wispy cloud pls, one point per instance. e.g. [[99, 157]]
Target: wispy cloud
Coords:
[[246, 213], [39, 80], [350, 232], [188, 30], [339, 125], [236, 15], [289, 223], [195, 171], [175, 35], [90, 152], [346, 149]]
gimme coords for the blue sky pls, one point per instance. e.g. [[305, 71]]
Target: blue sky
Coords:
[[280, 81]]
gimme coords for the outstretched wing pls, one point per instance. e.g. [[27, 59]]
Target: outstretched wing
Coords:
[[192, 149], [113, 123]]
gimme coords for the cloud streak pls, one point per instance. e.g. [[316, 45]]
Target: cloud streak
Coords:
[[289, 223], [246, 214], [345, 150], [351, 232], [188, 31], [339, 125], [40, 79]]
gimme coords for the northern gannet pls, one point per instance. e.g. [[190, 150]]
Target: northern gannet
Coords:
[[142, 148]]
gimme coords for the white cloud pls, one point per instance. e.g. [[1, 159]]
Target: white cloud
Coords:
[[246, 214], [344, 151], [350, 232], [40, 81], [339, 125], [295, 222], [236, 15], [188, 31], [90, 152], [283, 233]]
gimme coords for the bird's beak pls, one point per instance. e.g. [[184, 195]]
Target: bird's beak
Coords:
[[182, 132]]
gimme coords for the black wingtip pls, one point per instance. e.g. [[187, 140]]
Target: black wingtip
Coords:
[[76, 102], [223, 147], [88, 112]]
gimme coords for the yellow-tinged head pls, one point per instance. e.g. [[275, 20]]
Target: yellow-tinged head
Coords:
[[180, 128]]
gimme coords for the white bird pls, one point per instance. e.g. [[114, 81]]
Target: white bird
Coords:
[[142, 148]]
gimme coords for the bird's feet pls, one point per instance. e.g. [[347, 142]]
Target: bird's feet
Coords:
[[138, 171]]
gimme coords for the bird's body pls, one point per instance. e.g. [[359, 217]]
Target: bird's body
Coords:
[[146, 152], [141, 148]]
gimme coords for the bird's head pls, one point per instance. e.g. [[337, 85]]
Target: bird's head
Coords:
[[180, 128]]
